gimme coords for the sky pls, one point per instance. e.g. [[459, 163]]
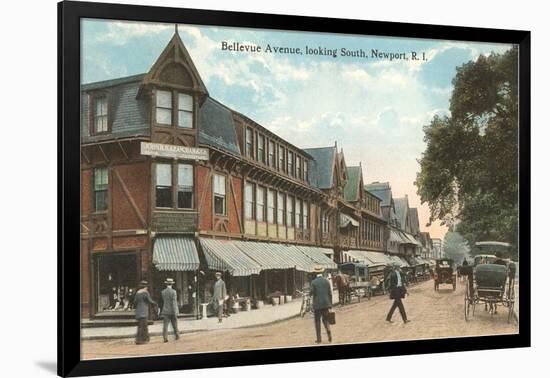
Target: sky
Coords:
[[374, 108]]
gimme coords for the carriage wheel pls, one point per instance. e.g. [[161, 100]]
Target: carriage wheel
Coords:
[[510, 311], [468, 308]]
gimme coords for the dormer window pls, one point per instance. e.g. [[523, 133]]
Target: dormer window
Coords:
[[100, 115], [166, 102], [164, 108]]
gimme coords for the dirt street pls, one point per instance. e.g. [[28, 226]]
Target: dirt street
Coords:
[[432, 314]]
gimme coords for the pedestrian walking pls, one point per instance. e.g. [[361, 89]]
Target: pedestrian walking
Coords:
[[220, 292], [169, 309], [322, 303], [397, 292], [143, 300]]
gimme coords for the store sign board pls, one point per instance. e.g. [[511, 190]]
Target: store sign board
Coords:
[[164, 221], [173, 151]]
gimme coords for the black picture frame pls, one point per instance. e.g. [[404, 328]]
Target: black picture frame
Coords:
[[69, 15]]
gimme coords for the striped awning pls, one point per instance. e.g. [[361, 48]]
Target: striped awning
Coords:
[[396, 236], [346, 220], [399, 261], [319, 256], [224, 255], [276, 256], [175, 253], [411, 239], [369, 257]]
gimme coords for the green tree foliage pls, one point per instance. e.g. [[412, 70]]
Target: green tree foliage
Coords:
[[455, 247], [469, 170]]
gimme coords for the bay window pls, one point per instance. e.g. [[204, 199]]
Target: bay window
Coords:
[[185, 111], [271, 206], [260, 204], [249, 203]]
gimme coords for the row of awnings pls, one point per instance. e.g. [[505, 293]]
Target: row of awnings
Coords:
[[373, 258], [402, 237], [239, 258]]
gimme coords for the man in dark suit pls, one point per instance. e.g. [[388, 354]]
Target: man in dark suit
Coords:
[[169, 309], [322, 302], [397, 292], [143, 300]]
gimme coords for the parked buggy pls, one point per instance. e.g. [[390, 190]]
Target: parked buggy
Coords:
[[490, 284]]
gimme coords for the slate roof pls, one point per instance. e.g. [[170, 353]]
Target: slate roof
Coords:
[[401, 207], [322, 167], [128, 116], [381, 190], [216, 126], [413, 215], [351, 189]]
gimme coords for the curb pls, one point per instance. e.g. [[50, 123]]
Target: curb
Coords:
[[159, 333]]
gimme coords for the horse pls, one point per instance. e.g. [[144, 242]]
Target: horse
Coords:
[[342, 282]]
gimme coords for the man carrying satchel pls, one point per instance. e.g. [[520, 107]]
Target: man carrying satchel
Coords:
[[322, 303]]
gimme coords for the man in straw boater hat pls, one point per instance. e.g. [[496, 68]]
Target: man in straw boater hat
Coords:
[[143, 300], [397, 292], [322, 302], [169, 309], [220, 292]]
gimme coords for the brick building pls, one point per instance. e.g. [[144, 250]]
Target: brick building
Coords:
[[176, 184]]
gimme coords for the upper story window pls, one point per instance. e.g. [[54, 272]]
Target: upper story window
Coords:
[[260, 204], [101, 184], [289, 211], [261, 148], [280, 208], [219, 195], [163, 185], [281, 158], [249, 202], [185, 186], [271, 154], [271, 206], [100, 115], [290, 163], [166, 183], [306, 170], [185, 111], [164, 107], [325, 222], [305, 215], [249, 142], [298, 167], [298, 214]]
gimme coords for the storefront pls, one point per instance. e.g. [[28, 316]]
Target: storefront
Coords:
[[116, 275], [176, 257]]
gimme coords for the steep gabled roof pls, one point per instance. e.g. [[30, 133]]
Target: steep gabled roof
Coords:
[[353, 184], [413, 216], [322, 167], [175, 67], [381, 190], [402, 210]]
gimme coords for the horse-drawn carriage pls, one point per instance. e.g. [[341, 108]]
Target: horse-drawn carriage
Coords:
[[490, 284], [353, 281]]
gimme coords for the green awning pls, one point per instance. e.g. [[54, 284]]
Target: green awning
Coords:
[[224, 255], [319, 256], [175, 253], [276, 256]]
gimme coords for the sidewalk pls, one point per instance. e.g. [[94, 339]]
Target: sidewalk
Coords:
[[266, 315]]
